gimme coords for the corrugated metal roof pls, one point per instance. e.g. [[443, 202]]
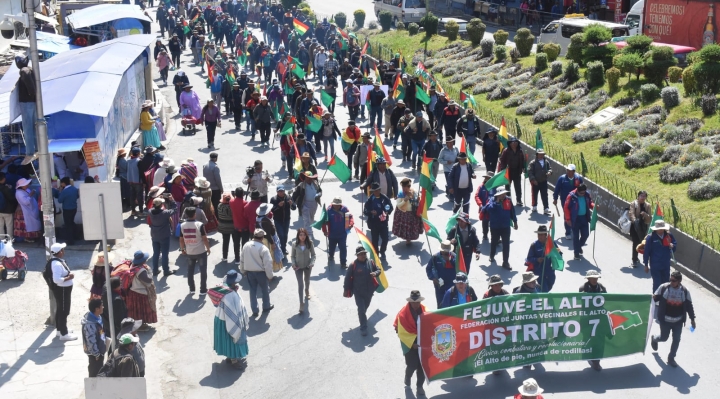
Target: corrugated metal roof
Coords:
[[102, 13]]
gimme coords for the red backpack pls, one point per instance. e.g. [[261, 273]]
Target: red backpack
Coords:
[[126, 272]]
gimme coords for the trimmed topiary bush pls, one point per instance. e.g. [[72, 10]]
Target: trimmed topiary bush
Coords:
[[649, 93], [670, 96], [615, 144], [552, 50], [674, 174], [385, 19], [501, 37], [613, 78], [688, 78], [541, 62], [657, 63], [398, 26], [575, 48], [708, 103], [707, 69], [674, 74], [487, 47], [629, 63], [340, 20], [556, 69], [524, 41], [500, 53], [644, 157], [413, 29], [705, 188], [373, 25], [572, 72], [476, 31], [515, 55], [430, 23], [359, 16], [595, 74], [452, 29]]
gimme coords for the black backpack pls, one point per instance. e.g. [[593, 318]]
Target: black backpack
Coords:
[[48, 274], [109, 368]]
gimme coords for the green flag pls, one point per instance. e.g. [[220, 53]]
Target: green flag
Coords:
[[500, 179], [583, 165], [538, 140], [593, 218], [676, 214], [452, 222], [287, 128], [323, 219], [431, 230], [421, 95], [518, 129], [313, 123], [297, 70], [326, 99], [339, 169], [288, 90]]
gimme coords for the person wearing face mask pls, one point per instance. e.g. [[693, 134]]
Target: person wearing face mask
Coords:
[[441, 270], [231, 323]]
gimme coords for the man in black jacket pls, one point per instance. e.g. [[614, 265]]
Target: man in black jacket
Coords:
[[119, 308], [431, 150], [236, 104], [464, 234], [469, 127], [281, 205], [7, 211], [377, 210], [674, 306], [449, 118]]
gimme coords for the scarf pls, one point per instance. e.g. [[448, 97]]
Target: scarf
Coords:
[[406, 326], [232, 310]]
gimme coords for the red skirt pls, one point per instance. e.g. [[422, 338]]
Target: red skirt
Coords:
[[19, 229], [407, 225], [138, 307]]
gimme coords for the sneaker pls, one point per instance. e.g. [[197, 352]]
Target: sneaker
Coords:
[[170, 273], [534, 209], [577, 257], [58, 334], [492, 259], [506, 265], [519, 203], [192, 292], [568, 237], [68, 337], [653, 344], [344, 265], [236, 261], [420, 391], [671, 361], [595, 364], [269, 309], [203, 292], [223, 260]]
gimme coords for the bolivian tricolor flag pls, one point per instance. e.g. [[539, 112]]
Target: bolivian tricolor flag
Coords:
[[426, 176], [424, 204], [346, 141], [503, 135], [297, 167], [379, 148], [467, 97], [406, 327], [300, 27], [398, 88], [367, 244]]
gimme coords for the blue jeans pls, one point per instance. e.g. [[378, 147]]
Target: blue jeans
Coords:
[[417, 146], [161, 247], [27, 110], [258, 280], [659, 277], [339, 240], [320, 72], [331, 142], [282, 227], [249, 122], [396, 135], [471, 142], [376, 114], [568, 228], [665, 329], [546, 280], [580, 229]]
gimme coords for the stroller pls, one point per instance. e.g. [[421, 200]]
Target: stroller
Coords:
[[188, 122], [12, 260]]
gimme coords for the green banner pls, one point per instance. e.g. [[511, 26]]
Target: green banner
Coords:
[[516, 330]]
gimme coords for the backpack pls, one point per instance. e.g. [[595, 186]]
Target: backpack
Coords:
[[217, 293], [109, 369], [126, 272], [48, 274]]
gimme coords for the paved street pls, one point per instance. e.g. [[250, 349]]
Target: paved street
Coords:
[[321, 354]]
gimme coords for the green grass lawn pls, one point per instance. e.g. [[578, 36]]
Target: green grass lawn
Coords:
[[704, 215]]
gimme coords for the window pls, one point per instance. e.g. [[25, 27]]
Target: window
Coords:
[[620, 32], [414, 4], [568, 30], [550, 28]]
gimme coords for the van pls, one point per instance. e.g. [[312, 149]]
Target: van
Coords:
[[559, 31], [404, 11], [634, 18]]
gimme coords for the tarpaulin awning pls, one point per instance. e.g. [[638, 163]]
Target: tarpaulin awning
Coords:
[[49, 42], [103, 13], [51, 21], [82, 81], [65, 145]]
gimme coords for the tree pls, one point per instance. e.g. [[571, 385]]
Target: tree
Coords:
[[657, 62], [629, 64], [706, 70], [476, 30], [593, 36]]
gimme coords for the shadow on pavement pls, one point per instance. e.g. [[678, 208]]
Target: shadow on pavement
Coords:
[[298, 320], [221, 376], [258, 325], [676, 377], [189, 304], [35, 353], [331, 273]]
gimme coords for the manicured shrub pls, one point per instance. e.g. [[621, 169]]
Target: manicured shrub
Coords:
[[572, 72], [452, 29], [476, 31], [708, 103], [359, 16], [613, 78], [629, 63], [657, 63], [385, 19], [501, 37], [638, 44], [595, 74], [413, 28], [670, 96], [373, 25], [340, 20], [552, 50], [707, 69], [500, 53], [644, 157], [524, 41], [649, 93], [556, 69], [541, 62], [575, 48], [487, 47], [688, 78], [430, 23], [615, 144], [704, 189], [515, 55], [594, 34], [674, 174], [674, 74]]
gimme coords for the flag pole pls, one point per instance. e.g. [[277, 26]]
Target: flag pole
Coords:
[[362, 206], [594, 237], [327, 246], [323, 177], [427, 238]]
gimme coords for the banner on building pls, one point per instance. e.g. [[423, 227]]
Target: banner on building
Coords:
[[517, 330]]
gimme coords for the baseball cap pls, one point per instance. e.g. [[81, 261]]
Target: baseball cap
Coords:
[[127, 339], [57, 247]]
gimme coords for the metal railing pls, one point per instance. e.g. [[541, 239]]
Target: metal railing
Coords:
[[617, 185]]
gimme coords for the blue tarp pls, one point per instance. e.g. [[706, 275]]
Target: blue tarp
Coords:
[[52, 43], [79, 86]]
